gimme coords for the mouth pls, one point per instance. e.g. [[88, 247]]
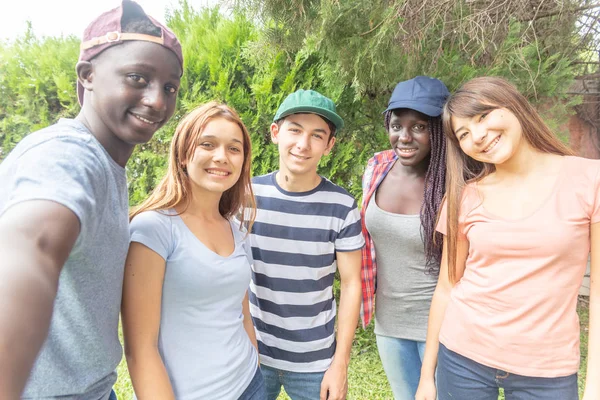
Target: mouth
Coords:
[[300, 157], [405, 152], [217, 172], [491, 146], [147, 120]]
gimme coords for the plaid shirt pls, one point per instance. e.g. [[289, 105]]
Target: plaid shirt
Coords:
[[377, 168]]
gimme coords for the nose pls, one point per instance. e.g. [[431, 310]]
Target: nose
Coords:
[[220, 155], [404, 136], [155, 98], [479, 134], [303, 142]]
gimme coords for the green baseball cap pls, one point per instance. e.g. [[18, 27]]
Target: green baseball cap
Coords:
[[309, 101]]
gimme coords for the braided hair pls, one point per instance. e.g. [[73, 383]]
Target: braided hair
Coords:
[[435, 188]]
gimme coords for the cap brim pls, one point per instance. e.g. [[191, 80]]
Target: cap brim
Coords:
[[331, 116], [429, 110]]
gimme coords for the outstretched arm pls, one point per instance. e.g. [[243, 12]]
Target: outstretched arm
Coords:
[[36, 238]]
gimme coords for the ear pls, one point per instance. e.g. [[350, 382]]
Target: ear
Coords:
[[275, 133], [329, 146], [85, 74]]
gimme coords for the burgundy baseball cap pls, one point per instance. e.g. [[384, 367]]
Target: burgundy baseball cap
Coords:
[[105, 32]]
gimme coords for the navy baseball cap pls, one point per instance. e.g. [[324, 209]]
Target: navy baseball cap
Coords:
[[422, 93]]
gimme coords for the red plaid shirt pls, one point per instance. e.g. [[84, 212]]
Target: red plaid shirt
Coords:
[[377, 168]]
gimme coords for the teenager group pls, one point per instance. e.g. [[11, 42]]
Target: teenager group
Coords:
[[468, 250]]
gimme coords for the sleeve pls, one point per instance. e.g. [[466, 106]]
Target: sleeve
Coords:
[[153, 229], [350, 236], [595, 214], [244, 237], [62, 170]]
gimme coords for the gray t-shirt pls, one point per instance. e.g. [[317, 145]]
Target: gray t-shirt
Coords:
[[64, 163], [404, 290], [202, 340]]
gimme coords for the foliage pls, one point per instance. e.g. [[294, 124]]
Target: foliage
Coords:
[[353, 51]]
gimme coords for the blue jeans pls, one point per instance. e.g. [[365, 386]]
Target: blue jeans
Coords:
[[459, 377], [256, 389], [113, 396], [297, 385], [401, 359]]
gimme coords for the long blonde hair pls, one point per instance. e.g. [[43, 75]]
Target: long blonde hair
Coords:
[[175, 188], [475, 97]]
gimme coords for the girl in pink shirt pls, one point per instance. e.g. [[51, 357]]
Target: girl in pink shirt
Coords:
[[519, 222]]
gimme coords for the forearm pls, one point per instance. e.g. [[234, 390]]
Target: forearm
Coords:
[[27, 290], [349, 309], [149, 376], [437, 311]]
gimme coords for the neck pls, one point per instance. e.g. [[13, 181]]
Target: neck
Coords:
[[526, 161], [115, 147], [203, 204], [297, 183]]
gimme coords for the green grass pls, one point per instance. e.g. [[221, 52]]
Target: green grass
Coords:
[[366, 379]]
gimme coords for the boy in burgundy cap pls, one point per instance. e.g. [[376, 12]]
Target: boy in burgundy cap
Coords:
[[64, 228]]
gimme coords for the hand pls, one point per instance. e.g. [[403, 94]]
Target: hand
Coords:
[[426, 389], [335, 382]]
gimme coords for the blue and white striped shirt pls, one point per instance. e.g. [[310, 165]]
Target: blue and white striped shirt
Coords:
[[294, 242]]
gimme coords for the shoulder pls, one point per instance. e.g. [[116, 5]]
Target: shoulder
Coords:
[[263, 179], [152, 220], [581, 168], [382, 157], [329, 192]]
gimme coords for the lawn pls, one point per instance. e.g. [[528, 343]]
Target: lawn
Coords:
[[366, 379]]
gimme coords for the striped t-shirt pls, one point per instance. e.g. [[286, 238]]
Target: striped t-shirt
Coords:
[[294, 242]]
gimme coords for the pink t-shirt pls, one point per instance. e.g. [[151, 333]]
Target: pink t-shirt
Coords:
[[514, 309]]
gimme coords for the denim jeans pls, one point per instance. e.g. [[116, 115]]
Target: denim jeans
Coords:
[[297, 385], [256, 389], [401, 359], [113, 396], [459, 377]]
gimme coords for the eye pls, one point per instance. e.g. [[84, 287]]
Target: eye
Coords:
[[235, 149], [420, 127], [137, 78], [463, 135], [395, 127], [317, 136], [206, 145], [171, 89], [294, 130], [482, 116]]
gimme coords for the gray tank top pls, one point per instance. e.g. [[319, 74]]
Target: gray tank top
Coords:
[[404, 290]]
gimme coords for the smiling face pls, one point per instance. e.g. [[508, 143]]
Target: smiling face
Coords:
[[409, 136], [131, 91], [492, 137], [217, 161], [302, 140]]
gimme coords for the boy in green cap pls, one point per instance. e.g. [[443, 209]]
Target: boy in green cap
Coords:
[[306, 227]]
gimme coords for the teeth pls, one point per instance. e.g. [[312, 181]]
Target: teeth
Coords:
[[144, 119], [407, 150], [220, 173], [491, 145]]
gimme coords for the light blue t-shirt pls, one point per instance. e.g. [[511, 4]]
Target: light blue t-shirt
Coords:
[[202, 340], [64, 163]]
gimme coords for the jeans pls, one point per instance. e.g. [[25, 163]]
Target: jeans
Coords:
[[459, 377], [256, 389], [401, 359], [297, 385], [113, 396]]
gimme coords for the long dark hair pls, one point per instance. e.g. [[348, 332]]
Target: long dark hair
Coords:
[[435, 188], [475, 97]]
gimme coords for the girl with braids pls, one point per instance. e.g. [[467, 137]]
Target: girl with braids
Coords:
[[521, 216], [186, 317], [402, 190]]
